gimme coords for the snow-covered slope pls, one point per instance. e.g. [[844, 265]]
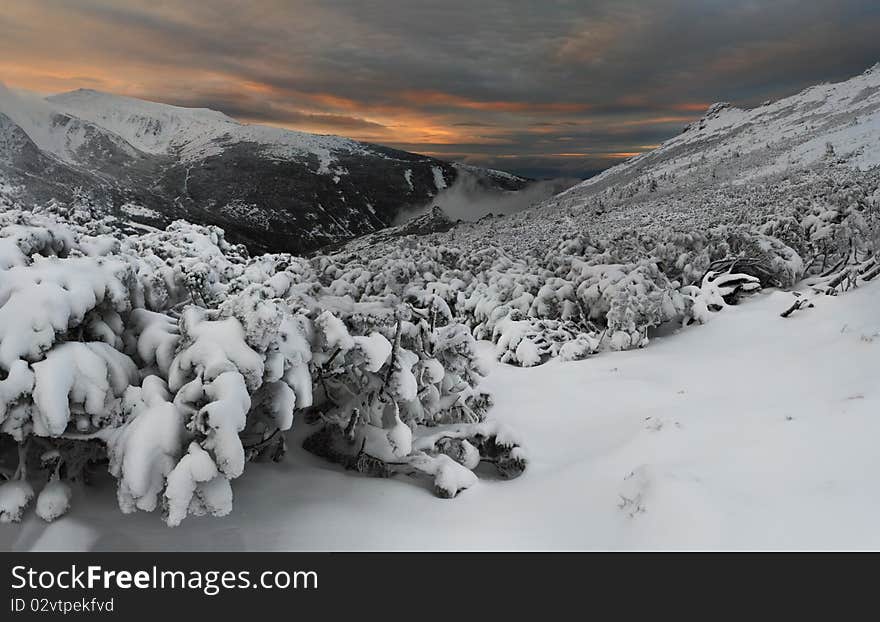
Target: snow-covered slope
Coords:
[[824, 123], [35, 117], [55, 132], [741, 434], [149, 126]]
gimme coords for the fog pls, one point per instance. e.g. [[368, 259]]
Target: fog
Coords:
[[469, 199]]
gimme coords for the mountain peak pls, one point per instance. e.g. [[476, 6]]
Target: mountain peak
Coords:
[[715, 109]]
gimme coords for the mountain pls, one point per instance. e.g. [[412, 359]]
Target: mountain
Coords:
[[822, 126], [270, 188], [731, 165]]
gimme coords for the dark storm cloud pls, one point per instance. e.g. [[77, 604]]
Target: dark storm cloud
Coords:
[[540, 87]]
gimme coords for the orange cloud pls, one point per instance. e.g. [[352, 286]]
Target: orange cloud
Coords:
[[593, 154], [409, 129], [438, 98], [623, 154], [59, 78], [656, 120], [690, 107]]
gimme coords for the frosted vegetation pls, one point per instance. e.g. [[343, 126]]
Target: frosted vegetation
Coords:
[[633, 261], [172, 358]]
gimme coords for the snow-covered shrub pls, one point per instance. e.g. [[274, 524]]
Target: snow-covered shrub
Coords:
[[531, 341], [53, 500], [176, 358], [50, 297], [16, 493], [376, 390], [15, 496], [716, 292]]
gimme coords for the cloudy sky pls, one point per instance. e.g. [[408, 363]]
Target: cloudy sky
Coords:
[[541, 87]]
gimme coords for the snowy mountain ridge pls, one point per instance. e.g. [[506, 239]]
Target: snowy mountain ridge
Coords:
[[192, 133], [839, 120], [149, 126]]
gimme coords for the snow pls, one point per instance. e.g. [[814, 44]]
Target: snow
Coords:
[[51, 129], [391, 442], [145, 450], [216, 347], [133, 209], [433, 370], [194, 468], [54, 500], [19, 381], [157, 338], [15, 495], [376, 349], [278, 399], [527, 353], [450, 477], [35, 117], [300, 380], [335, 332], [67, 536], [439, 179], [403, 383], [51, 296], [751, 432], [85, 374], [223, 418]]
